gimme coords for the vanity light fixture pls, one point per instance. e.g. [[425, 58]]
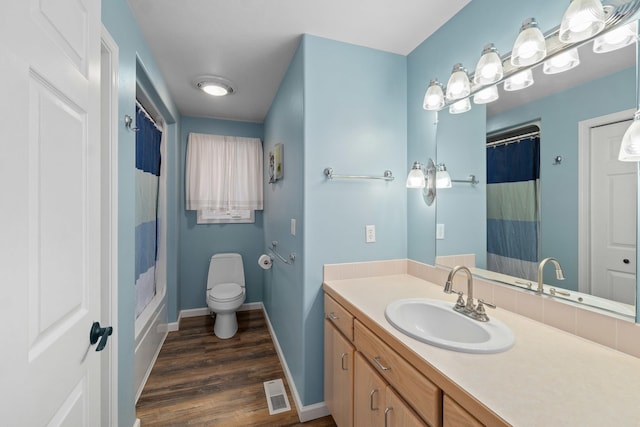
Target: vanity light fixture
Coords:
[[486, 95], [215, 85], [489, 69], [630, 146], [434, 97], [583, 19], [458, 85], [617, 38], [423, 176], [561, 62], [443, 179], [530, 46], [416, 178], [519, 81], [460, 107]]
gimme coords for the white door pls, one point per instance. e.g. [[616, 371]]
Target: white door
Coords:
[[613, 216], [50, 199]]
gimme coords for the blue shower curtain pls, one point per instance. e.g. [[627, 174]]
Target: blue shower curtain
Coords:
[[148, 139], [513, 208]]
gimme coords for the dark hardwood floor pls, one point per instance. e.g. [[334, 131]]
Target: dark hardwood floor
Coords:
[[201, 380]]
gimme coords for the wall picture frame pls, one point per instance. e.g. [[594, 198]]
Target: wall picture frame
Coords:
[[276, 167]]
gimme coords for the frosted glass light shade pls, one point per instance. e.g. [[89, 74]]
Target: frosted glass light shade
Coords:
[[581, 20], [489, 68], [486, 95], [443, 179], [562, 62], [416, 178], [434, 97], [460, 107], [630, 146], [616, 38], [458, 85], [530, 46], [519, 81]]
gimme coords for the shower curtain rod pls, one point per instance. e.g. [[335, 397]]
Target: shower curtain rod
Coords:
[[512, 139], [149, 116]]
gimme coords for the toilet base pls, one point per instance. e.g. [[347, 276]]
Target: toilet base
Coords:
[[225, 325]]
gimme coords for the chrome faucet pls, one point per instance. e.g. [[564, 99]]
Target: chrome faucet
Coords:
[[559, 274], [468, 309]]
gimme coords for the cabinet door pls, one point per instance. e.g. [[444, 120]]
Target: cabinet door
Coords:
[[398, 413], [456, 416], [338, 375], [369, 394]]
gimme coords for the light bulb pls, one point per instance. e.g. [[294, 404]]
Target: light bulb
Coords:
[[530, 46], [561, 62], [582, 19], [461, 106], [434, 97], [486, 95], [489, 69], [458, 85], [519, 80]]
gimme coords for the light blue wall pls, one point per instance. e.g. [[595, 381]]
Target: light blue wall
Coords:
[[460, 40], [283, 284], [559, 115], [198, 242], [121, 25], [342, 106]]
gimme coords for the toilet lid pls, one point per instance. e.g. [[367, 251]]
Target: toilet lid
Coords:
[[225, 291]]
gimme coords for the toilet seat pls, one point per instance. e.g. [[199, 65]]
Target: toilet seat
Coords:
[[225, 292]]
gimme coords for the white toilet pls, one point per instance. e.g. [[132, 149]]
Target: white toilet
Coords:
[[225, 292]]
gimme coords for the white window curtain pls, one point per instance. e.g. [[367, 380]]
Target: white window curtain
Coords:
[[223, 173]]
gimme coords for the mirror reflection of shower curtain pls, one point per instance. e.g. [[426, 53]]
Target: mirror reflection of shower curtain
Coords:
[[147, 178], [513, 207]]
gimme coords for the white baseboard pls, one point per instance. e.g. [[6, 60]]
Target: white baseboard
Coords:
[[137, 423], [305, 413]]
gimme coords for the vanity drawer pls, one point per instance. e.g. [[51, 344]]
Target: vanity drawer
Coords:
[[339, 316], [456, 416], [424, 396]]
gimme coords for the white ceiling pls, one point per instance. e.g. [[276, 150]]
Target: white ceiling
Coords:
[[251, 42]]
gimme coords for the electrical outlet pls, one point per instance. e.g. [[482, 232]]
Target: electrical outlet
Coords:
[[439, 231], [370, 233]]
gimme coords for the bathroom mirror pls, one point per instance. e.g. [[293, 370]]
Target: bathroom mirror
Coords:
[[567, 107]]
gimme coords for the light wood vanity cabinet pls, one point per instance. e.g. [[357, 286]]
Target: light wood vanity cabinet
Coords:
[[338, 369], [376, 404], [364, 377]]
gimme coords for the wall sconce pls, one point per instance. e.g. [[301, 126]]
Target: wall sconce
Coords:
[[423, 176], [582, 19], [530, 46], [443, 180]]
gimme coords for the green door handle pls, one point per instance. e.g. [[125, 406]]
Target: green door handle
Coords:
[[97, 332]]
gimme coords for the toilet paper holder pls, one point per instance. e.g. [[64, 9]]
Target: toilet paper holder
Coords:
[[292, 255]]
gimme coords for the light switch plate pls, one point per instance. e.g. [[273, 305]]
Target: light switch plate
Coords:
[[439, 231], [293, 226]]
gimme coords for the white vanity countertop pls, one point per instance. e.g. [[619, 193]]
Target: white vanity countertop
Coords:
[[548, 378]]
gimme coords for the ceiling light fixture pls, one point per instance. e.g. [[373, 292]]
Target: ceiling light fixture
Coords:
[[215, 85]]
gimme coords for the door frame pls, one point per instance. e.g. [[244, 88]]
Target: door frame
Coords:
[[109, 223], [584, 190]]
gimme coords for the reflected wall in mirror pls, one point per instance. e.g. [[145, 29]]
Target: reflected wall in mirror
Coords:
[[583, 208]]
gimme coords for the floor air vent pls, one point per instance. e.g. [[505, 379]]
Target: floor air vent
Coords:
[[276, 397]]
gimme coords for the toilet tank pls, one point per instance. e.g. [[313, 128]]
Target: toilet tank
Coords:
[[226, 268]]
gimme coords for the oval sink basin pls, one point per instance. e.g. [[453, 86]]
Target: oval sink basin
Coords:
[[434, 322]]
